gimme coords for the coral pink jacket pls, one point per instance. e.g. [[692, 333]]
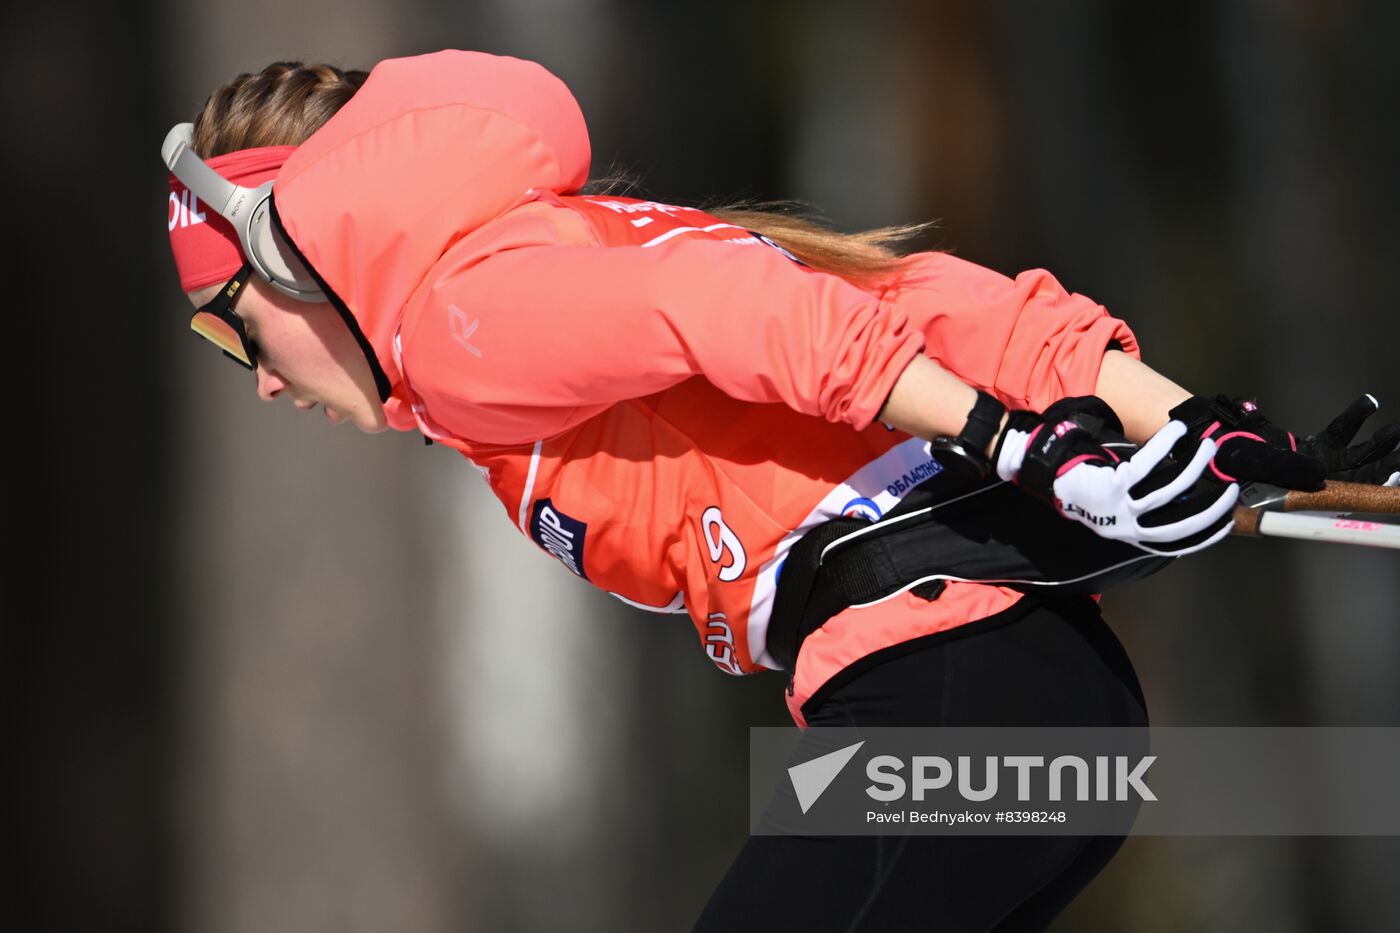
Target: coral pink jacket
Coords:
[[661, 401]]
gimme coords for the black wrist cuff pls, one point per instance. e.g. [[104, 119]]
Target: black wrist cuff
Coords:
[[966, 454], [983, 423], [1196, 412]]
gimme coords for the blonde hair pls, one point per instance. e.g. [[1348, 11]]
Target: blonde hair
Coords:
[[286, 102], [868, 257]]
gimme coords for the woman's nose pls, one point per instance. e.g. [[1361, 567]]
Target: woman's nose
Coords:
[[270, 385]]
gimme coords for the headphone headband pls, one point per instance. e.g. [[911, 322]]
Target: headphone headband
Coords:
[[248, 210]]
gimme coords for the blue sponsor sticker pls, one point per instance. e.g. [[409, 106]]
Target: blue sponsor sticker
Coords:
[[914, 477], [559, 534]]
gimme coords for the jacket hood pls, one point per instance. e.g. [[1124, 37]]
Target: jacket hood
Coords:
[[428, 150]]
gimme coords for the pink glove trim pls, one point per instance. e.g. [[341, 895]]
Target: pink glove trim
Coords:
[[1034, 434], [1225, 477], [1082, 458], [1234, 434]]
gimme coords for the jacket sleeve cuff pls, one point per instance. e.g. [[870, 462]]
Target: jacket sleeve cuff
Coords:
[[1080, 375], [861, 408]]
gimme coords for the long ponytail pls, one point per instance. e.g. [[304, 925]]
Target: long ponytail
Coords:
[[869, 257]]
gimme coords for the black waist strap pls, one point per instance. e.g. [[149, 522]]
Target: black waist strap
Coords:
[[992, 534]]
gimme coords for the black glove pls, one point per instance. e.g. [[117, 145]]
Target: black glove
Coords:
[[1253, 449], [1074, 458], [1375, 461], [1250, 447]]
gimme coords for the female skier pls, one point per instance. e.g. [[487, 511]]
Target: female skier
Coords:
[[668, 401]]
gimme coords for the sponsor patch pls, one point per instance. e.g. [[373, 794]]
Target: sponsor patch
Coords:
[[559, 534], [914, 477], [862, 507]]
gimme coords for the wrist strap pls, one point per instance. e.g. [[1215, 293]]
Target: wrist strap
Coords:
[[966, 454], [983, 423]]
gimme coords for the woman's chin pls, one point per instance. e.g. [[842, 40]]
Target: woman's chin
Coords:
[[367, 423]]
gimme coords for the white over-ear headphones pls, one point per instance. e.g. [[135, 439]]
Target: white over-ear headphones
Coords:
[[249, 210]]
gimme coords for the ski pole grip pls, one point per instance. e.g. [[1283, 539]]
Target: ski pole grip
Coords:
[[1345, 497], [1246, 521]]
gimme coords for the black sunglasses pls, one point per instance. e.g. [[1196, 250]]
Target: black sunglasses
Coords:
[[217, 323]]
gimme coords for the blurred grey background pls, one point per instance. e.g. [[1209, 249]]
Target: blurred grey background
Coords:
[[264, 675]]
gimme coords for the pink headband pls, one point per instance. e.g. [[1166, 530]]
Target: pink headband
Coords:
[[206, 249]]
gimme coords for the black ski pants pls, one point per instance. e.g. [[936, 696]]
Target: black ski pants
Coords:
[[1041, 663]]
